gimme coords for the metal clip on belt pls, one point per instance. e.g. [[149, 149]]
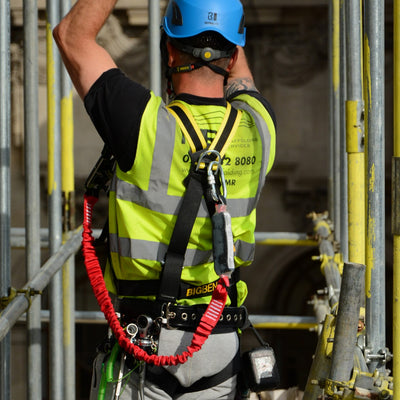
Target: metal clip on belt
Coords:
[[180, 317]]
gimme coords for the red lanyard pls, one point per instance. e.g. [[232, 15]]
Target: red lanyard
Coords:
[[207, 323]]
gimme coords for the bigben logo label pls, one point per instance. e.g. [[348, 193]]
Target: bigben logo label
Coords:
[[203, 290]]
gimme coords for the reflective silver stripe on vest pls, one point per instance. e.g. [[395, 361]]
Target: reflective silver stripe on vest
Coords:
[[156, 198], [143, 249], [159, 202], [266, 143]]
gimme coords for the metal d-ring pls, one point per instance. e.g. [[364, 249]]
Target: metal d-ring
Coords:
[[205, 153]]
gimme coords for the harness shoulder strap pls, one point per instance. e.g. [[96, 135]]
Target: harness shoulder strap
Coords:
[[193, 133], [174, 259]]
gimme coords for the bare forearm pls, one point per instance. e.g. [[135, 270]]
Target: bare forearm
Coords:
[[76, 36], [240, 76], [86, 17]]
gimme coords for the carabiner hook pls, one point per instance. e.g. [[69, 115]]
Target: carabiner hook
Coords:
[[211, 181]]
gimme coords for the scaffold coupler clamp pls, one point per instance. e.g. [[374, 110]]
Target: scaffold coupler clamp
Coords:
[[29, 293]]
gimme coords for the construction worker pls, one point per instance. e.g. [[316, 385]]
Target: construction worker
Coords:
[[209, 82]]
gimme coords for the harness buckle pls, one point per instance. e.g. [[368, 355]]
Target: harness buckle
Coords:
[[167, 315]]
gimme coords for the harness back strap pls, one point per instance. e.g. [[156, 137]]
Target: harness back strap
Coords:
[[194, 135], [174, 259]]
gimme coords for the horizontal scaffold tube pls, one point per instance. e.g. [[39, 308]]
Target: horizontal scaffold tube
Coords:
[[20, 303], [284, 239], [258, 320]]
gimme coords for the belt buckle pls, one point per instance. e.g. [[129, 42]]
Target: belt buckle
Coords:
[[167, 315]]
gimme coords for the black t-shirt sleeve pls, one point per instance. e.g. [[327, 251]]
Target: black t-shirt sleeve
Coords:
[[115, 105]]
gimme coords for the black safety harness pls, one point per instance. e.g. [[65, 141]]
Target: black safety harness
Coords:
[[201, 182], [205, 179]]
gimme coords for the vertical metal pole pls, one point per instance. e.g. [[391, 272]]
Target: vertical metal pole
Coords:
[[396, 202], [54, 196], [155, 57], [68, 194], [374, 74], [347, 322], [5, 186], [355, 134], [32, 187], [335, 192], [344, 245]]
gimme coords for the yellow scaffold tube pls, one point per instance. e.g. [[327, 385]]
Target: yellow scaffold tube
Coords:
[[288, 242], [67, 179], [356, 182], [287, 325], [396, 216], [67, 144]]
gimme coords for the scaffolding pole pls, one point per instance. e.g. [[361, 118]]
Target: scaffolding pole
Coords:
[[396, 201], [154, 45], [56, 367], [335, 133], [68, 209], [344, 345], [20, 303], [5, 188], [374, 90], [32, 198], [355, 134], [343, 234], [284, 239]]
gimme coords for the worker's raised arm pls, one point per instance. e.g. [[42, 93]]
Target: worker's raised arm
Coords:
[[240, 76], [76, 35]]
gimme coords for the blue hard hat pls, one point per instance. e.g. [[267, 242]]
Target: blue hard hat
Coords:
[[186, 18]]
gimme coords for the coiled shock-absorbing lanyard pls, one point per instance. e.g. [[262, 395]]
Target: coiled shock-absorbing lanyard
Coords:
[[207, 323]]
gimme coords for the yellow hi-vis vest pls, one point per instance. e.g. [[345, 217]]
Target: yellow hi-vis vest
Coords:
[[144, 201]]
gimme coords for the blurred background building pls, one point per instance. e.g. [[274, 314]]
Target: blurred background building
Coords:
[[288, 51]]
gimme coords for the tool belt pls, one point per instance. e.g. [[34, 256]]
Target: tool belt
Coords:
[[180, 317]]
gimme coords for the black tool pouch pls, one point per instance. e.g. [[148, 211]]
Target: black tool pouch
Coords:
[[259, 368]]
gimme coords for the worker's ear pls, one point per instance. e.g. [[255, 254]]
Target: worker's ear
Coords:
[[233, 60], [172, 55]]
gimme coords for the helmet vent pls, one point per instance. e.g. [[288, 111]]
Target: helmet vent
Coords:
[[177, 15]]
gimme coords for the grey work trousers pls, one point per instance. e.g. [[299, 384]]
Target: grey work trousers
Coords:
[[216, 353]]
